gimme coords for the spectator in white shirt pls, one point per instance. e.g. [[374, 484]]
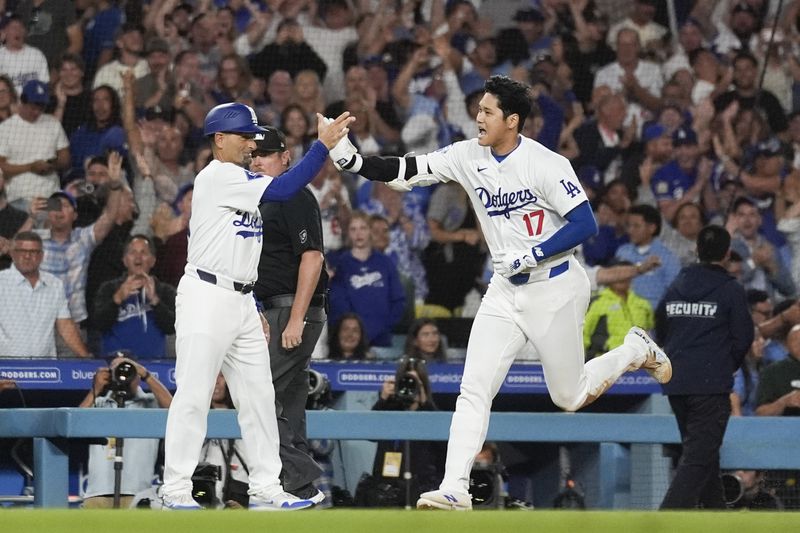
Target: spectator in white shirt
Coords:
[[34, 305]]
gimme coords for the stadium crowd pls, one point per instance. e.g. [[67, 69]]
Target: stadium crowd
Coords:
[[670, 120]]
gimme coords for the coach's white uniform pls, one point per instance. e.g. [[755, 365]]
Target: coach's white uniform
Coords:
[[218, 328], [520, 202]]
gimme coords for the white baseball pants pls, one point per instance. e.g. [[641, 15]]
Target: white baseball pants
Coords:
[[219, 329], [551, 314]]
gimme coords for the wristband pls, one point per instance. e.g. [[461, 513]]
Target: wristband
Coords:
[[146, 376]]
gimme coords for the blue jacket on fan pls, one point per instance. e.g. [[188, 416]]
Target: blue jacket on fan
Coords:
[[370, 288], [704, 325]]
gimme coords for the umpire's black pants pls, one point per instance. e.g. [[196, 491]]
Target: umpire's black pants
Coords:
[[290, 379], [702, 420]]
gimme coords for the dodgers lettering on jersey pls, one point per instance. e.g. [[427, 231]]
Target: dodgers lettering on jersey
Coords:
[[520, 201], [691, 309], [225, 228]]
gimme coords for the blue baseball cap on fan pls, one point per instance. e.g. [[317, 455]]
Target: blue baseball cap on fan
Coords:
[[684, 135], [35, 92], [62, 194], [653, 131]]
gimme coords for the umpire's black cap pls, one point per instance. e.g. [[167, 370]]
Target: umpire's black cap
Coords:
[[272, 140]]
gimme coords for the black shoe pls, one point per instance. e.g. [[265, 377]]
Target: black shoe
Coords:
[[309, 492]]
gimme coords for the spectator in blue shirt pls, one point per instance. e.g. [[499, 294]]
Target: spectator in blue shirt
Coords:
[[135, 312], [681, 181], [367, 282], [643, 224]]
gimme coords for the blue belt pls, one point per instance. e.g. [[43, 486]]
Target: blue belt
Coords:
[[523, 277], [208, 277]]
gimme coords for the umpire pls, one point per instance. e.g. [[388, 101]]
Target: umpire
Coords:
[[291, 287], [704, 325]]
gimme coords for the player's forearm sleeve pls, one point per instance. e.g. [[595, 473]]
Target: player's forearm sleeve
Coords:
[[580, 225], [376, 168], [297, 177]]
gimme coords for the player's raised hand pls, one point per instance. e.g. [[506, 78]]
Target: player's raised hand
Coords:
[[343, 152], [330, 133]]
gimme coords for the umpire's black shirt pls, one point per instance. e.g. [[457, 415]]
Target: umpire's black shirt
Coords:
[[704, 325], [290, 228]]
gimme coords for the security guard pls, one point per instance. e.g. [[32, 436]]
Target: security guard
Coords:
[[704, 324], [291, 288]]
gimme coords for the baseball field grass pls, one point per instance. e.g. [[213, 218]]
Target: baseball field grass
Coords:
[[389, 521]]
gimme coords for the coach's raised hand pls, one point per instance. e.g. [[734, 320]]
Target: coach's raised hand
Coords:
[[330, 133]]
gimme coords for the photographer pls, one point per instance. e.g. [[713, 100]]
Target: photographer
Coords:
[[115, 385], [410, 390]]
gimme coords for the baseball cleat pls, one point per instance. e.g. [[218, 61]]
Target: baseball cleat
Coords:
[[445, 499], [656, 362], [281, 501], [180, 502], [308, 492]]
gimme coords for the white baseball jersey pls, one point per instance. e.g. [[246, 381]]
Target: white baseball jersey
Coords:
[[225, 227], [520, 201]]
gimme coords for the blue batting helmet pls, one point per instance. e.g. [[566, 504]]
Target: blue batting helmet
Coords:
[[231, 118]]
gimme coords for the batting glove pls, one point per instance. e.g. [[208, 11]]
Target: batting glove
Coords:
[[513, 262], [343, 152]]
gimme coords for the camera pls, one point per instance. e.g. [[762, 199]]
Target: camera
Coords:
[[407, 389], [122, 376], [407, 384], [319, 391], [204, 484]]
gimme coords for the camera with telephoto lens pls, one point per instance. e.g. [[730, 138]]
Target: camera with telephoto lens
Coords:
[[319, 391], [121, 378], [407, 386]]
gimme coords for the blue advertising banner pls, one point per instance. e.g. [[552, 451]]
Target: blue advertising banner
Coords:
[[523, 378]]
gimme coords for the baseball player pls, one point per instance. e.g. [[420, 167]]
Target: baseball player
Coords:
[[533, 213], [218, 327]]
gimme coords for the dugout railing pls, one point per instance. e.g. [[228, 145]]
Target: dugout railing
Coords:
[[750, 442]]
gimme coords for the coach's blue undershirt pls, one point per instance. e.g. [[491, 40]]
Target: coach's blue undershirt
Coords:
[[580, 225], [297, 177]]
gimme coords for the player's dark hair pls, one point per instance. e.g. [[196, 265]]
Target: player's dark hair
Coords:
[[713, 243], [650, 215], [413, 351], [513, 97]]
